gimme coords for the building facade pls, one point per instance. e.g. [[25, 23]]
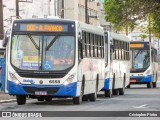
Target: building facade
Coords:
[[75, 9]]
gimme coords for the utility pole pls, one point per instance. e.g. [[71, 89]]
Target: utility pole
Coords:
[[86, 12], [17, 9], [17, 6], [1, 20], [62, 14], [149, 29]]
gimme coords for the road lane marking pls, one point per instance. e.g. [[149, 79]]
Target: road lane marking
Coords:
[[141, 106]]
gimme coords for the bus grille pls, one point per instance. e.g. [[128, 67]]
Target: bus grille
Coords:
[[41, 75], [32, 90]]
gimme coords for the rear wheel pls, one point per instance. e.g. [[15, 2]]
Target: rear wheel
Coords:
[[154, 84], [107, 93], [85, 98], [21, 99], [122, 90], [115, 91], [93, 96]]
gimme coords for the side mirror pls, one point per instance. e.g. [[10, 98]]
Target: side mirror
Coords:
[[6, 38]]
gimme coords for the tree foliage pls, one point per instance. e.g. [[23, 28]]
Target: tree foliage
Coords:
[[128, 13]]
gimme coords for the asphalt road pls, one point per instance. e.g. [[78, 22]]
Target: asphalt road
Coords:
[[137, 98]]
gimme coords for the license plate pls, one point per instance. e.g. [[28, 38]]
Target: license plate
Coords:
[[132, 80], [40, 92]]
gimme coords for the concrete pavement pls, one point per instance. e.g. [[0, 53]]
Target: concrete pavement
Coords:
[[4, 97]]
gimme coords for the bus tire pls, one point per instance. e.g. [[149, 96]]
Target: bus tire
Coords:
[[93, 96], [85, 98], [107, 93], [129, 86], [122, 90], [154, 84], [21, 99], [115, 91], [78, 100], [40, 98], [48, 99], [149, 85]]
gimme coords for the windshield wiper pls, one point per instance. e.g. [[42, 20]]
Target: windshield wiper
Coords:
[[33, 41], [51, 43], [137, 54]]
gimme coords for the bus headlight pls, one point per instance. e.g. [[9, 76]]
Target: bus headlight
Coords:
[[69, 79], [13, 78]]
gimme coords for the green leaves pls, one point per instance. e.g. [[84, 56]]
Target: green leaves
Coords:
[[125, 14]]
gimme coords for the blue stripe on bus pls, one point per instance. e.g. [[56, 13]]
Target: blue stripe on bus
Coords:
[[68, 90], [147, 78], [106, 84]]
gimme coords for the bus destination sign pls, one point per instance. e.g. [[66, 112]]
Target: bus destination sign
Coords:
[[135, 45], [44, 27]]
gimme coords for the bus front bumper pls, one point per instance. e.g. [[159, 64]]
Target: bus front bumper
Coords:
[[54, 90], [140, 79]]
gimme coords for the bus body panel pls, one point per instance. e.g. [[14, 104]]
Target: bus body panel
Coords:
[[149, 75], [88, 67], [115, 68]]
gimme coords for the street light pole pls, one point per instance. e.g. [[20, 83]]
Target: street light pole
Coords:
[[1, 20], [17, 9]]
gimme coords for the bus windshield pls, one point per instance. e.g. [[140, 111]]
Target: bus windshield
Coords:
[[140, 59], [42, 52]]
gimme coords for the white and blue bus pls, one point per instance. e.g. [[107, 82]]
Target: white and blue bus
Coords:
[[144, 64], [49, 58], [117, 60]]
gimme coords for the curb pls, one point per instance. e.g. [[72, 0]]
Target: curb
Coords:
[[6, 101]]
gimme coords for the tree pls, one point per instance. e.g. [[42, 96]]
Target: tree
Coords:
[[143, 36], [128, 13]]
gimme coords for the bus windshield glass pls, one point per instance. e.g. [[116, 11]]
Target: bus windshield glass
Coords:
[[42, 52], [140, 59]]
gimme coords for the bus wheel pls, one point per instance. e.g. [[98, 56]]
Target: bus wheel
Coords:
[[115, 91], [107, 93], [78, 100], [21, 99], [154, 84], [93, 96], [40, 98], [149, 85], [48, 99], [85, 98], [122, 90], [129, 86]]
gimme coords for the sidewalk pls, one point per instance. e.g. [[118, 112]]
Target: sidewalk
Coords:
[[6, 98]]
